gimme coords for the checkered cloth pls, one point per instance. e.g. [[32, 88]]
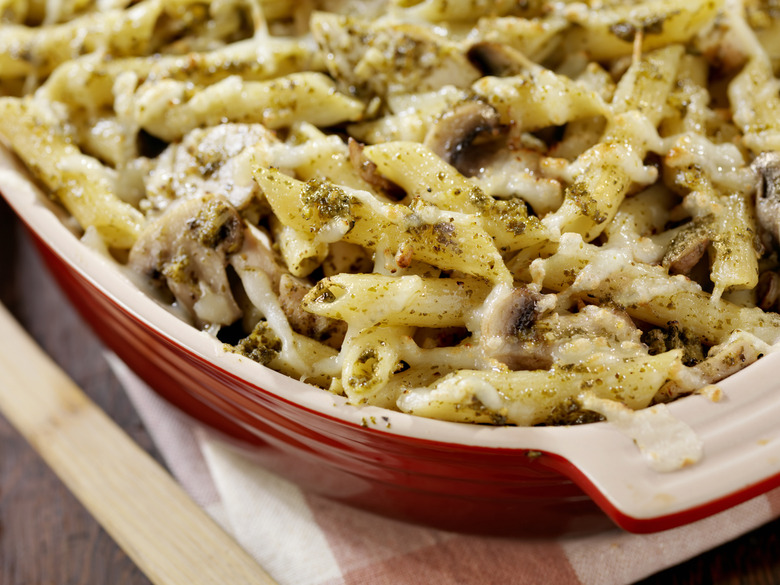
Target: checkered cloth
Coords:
[[302, 539]]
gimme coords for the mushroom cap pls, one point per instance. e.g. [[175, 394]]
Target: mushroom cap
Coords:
[[186, 249], [457, 129], [502, 328], [496, 59], [767, 165]]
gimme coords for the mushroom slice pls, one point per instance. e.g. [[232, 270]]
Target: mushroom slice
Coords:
[[768, 290], [688, 247], [210, 160], [736, 353], [455, 131], [368, 172], [512, 314], [291, 292], [767, 165], [496, 59], [186, 248], [505, 332]]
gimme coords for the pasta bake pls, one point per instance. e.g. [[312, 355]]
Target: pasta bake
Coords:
[[513, 212]]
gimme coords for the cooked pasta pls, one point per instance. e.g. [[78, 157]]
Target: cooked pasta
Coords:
[[488, 212]]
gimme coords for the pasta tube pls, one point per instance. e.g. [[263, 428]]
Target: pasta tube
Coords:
[[81, 183], [448, 240], [437, 182], [363, 300], [537, 396], [169, 109], [648, 293]]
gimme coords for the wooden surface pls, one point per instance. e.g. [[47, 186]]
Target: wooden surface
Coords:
[[47, 537]]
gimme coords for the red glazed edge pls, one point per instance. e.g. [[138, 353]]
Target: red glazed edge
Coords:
[[665, 522]]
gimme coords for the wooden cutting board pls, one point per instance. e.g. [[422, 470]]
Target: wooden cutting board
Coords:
[[170, 538]]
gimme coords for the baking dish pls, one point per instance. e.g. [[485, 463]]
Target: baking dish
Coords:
[[497, 480]]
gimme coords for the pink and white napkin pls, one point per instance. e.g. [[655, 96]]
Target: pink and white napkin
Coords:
[[303, 539]]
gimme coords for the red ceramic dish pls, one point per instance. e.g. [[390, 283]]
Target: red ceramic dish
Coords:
[[501, 480]]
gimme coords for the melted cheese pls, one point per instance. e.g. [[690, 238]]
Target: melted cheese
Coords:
[[665, 442], [261, 293]]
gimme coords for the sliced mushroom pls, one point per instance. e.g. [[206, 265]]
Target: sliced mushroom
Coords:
[[457, 129], [187, 249], [367, 171], [736, 353], [496, 59], [329, 331], [505, 331], [688, 247], [768, 290], [513, 314], [257, 253], [767, 165], [209, 160]]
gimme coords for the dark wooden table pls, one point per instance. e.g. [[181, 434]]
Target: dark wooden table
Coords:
[[46, 536]]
